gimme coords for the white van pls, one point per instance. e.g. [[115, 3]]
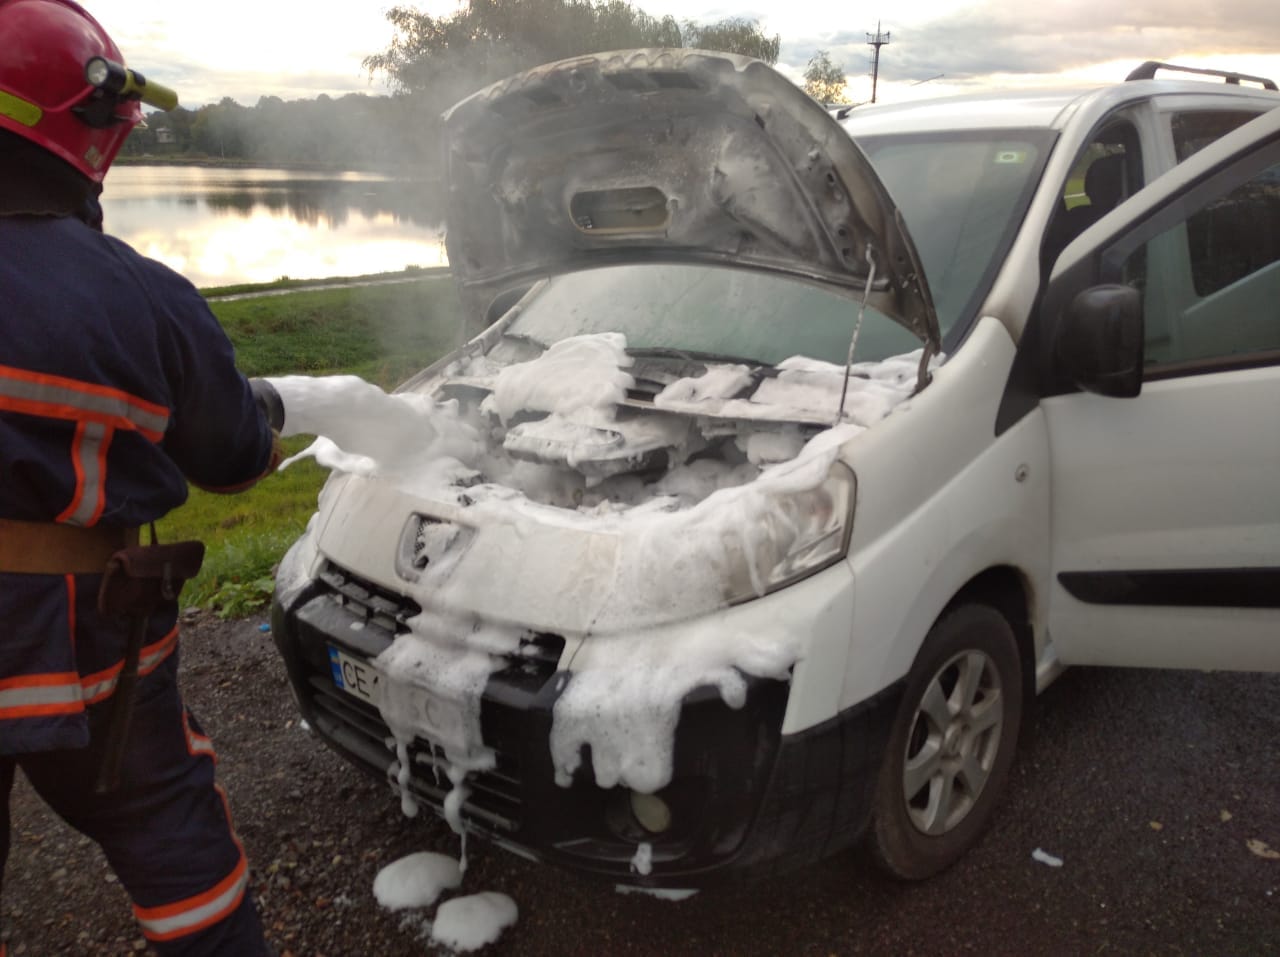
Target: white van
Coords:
[[792, 455]]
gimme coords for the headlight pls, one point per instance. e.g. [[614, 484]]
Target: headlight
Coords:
[[804, 532]]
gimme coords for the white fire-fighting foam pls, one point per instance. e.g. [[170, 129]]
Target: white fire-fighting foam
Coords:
[[469, 923], [416, 880], [708, 527]]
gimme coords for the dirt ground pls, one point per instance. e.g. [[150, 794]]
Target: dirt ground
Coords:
[[1157, 789]]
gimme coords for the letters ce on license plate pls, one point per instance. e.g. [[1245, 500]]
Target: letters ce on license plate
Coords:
[[353, 675]]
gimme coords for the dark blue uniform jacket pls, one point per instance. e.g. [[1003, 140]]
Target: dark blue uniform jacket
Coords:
[[117, 385]]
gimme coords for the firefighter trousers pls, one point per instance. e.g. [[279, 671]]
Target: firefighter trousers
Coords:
[[166, 831]]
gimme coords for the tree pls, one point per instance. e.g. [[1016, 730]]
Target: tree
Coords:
[[824, 81], [219, 130], [448, 57], [734, 35]]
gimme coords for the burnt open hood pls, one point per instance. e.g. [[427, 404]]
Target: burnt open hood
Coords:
[[671, 156]]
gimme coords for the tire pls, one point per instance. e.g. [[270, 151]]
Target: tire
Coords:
[[951, 746]]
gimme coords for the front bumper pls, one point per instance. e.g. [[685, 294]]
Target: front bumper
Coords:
[[743, 797]]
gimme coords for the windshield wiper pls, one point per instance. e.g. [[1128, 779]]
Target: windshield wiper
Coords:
[[692, 362], [522, 337], [693, 355]]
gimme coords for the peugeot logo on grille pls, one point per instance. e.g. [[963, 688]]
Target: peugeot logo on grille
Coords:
[[428, 541]]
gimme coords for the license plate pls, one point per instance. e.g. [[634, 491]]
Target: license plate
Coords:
[[353, 675]]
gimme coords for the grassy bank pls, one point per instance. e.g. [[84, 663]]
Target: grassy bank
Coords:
[[382, 333], [285, 284]]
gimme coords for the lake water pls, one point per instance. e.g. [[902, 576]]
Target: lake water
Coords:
[[219, 226]]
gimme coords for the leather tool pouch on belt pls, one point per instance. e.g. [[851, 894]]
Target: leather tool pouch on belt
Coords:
[[137, 580], [140, 577]]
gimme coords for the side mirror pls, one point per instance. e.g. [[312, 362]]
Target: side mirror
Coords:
[[1098, 344]]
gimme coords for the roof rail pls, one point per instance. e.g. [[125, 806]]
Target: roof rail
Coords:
[[1148, 72]]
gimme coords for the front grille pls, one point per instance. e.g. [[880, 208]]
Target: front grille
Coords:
[[372, 603], [496, 799]]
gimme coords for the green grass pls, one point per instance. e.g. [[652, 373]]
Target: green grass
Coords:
[[245, 535], [285, 283], [381, 333]]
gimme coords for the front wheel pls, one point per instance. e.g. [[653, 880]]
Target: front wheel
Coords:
[[951, 746]]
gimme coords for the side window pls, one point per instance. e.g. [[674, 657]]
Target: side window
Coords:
[[1218, 299], [1107, 172], [1192, 132]]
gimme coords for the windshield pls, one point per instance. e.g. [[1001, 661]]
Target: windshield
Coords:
[[709, 310], [962, 195]]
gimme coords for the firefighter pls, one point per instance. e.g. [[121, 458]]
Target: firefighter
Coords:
[[117, 386]]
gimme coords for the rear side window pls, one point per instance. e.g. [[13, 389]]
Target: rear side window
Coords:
[[1192, 132]]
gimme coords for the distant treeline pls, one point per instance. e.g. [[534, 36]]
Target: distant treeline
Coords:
[[356, 131]]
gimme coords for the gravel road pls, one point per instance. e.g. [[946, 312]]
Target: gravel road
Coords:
[[1150, 786]]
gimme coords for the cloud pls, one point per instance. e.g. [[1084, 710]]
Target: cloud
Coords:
[[198, 82], [1050, 36], [249, 48], [299, 48]]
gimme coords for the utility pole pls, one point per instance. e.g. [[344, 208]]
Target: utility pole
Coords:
[[876, 40]]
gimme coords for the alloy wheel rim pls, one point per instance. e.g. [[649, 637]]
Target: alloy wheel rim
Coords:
[[953, 742]]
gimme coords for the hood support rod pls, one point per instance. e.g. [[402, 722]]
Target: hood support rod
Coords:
[[923, 376], [857, 328]]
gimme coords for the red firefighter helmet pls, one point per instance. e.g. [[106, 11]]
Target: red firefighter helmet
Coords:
[[44, 95]]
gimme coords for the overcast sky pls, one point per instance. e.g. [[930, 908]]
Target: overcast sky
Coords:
[[301, 48]]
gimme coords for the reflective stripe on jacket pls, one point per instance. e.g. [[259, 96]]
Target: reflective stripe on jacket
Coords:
[[98, 412], [66, 692]]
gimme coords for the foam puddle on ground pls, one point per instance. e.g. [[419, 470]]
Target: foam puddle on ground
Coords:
[[460, 923], [416, 880], [471, 922], [540, 450]]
